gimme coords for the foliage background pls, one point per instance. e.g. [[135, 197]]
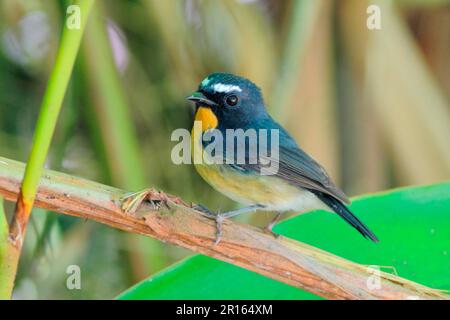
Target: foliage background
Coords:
[[371, 106]]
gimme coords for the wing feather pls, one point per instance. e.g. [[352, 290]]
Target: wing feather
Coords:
[[294, 165]]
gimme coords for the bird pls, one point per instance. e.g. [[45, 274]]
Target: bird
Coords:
[[224, 102]]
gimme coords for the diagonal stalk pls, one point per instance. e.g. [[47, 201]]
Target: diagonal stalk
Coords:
[[51, 105], [285, 260]]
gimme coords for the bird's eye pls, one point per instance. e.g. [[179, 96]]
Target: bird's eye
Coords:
[[232, 100]]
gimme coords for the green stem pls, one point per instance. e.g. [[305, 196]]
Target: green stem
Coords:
[[46, 123], [52, 102]]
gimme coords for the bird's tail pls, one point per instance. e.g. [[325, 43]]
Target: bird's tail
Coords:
[[347, 215]]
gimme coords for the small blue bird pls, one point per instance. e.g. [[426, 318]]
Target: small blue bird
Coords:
[[226, 101]]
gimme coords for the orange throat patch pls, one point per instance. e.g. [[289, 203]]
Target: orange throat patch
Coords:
[[207, 118]]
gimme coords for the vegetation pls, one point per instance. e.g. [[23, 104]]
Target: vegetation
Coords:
[[372, 106], [408, 209]]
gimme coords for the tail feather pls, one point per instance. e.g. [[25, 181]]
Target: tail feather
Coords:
[[346, 214]]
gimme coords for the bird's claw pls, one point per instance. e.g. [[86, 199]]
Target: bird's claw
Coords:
[[268, 229], [219, 220], [217, 216], [270, 232]]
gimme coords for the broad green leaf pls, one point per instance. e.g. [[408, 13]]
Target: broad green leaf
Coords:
[[413, 225]]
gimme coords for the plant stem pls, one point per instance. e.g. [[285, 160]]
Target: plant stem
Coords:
[[46, 123], [285, 260]]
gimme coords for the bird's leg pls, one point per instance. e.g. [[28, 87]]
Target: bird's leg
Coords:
[[203, 209], [213, 215], [238, 212], [219, 217], [272, 223]]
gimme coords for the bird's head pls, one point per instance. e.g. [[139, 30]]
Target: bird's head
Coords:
[[227, 101]]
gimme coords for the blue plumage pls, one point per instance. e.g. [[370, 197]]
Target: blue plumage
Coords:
[[299, 183]]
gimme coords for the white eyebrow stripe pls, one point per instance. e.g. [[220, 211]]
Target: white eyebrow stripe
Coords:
[[220, 87]]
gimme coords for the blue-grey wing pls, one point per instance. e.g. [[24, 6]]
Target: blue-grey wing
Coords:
[[292, 164], [300, 169]]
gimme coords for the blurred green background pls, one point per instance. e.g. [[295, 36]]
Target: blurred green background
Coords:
[[371, 105]]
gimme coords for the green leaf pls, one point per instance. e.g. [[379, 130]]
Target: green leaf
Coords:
[[413, 225]]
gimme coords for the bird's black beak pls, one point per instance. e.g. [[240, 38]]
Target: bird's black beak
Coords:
[[200, 99]]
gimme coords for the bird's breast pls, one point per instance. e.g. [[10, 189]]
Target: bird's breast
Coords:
[[269, 191], [250, 188]]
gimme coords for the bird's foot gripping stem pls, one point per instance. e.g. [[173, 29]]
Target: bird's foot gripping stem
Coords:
[[220, 217], [271, 224]]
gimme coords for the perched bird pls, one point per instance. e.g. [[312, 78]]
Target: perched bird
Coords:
[[225, 101]]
